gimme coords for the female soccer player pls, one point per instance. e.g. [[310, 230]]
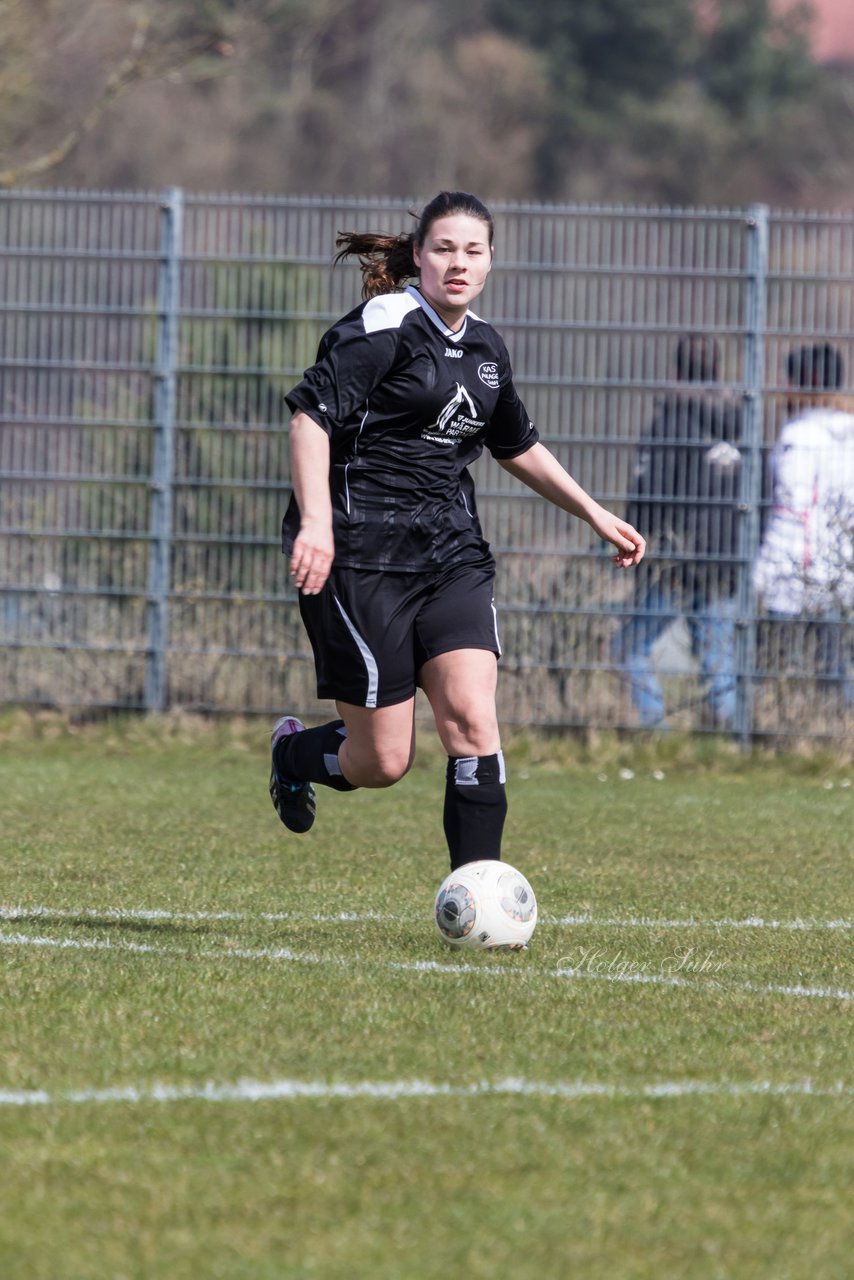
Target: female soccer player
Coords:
[[385, 546]]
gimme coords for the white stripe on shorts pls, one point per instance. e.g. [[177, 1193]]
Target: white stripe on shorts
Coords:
[[367, 657], [495, 624]]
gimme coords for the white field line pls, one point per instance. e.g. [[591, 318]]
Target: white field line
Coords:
[[131, 915], [154, 914], [694, 922], [426, 966], [392, 1090]]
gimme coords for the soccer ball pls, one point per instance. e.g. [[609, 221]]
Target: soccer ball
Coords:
[[486, 905]]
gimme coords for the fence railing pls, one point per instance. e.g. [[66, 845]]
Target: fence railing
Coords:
[[146, 342]]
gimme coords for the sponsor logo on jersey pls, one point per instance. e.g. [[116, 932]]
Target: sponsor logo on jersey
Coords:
[[457, 420], [488, 373], [453, 354]]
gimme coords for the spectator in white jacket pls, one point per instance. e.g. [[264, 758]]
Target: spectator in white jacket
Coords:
[[805, 566]]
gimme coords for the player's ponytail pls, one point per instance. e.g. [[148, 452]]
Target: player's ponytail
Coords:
[[387, 261]]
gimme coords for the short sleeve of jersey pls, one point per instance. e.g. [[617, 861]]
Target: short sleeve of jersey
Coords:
[[351, 362], [510, 432]]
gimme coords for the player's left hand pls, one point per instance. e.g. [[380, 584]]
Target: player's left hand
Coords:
[[631, 545]]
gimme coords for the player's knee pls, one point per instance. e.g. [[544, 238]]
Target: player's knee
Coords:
[[387, 776], [385, 773], [472, 735], [392, 765], [382, 767]]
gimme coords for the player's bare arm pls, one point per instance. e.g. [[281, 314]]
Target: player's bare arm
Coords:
[[541, 471], [314, 548]]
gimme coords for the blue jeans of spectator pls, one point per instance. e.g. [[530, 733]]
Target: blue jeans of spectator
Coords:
[[712, 630]]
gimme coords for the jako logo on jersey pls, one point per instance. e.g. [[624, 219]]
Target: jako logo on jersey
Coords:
[[453, 354], [488, 373], [457, 420]]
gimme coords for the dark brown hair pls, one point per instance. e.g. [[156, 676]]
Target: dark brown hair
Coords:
[[815, 375], [820, 367], [387, 261], [698, 358]]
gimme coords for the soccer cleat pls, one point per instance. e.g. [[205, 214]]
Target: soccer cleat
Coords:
[[294, 802]]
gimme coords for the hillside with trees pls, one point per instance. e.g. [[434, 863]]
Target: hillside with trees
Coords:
[[669, 101]]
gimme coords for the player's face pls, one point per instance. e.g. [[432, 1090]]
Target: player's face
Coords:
[[454, 261]]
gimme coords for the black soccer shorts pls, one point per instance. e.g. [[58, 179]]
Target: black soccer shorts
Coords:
[[372, 631]]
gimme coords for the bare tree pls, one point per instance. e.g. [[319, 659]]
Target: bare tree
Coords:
[[129, 69], [44, 53]]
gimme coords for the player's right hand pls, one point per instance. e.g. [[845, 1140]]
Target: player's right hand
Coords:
[[312, 558]]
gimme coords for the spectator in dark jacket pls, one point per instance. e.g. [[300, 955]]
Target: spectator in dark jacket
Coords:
[[684, 496]]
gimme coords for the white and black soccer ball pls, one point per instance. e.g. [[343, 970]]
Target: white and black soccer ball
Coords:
[[486, 906]]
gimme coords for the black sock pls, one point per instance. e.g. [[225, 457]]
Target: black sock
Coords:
[[312, 756], [475, 807]]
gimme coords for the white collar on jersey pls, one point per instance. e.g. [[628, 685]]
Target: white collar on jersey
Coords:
[[454, 335]]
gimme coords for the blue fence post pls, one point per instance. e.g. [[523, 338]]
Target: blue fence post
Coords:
[[753, 416], [165, 386]]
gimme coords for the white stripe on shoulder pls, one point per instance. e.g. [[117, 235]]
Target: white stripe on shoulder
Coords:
[[387, 311], [445, 330]]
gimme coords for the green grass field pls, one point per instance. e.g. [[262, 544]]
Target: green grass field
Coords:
[[230, 1052]]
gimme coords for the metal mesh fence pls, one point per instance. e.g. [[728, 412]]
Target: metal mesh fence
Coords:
[[146, 344]]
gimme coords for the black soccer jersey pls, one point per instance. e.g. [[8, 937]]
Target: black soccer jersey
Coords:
[[408, 405]]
